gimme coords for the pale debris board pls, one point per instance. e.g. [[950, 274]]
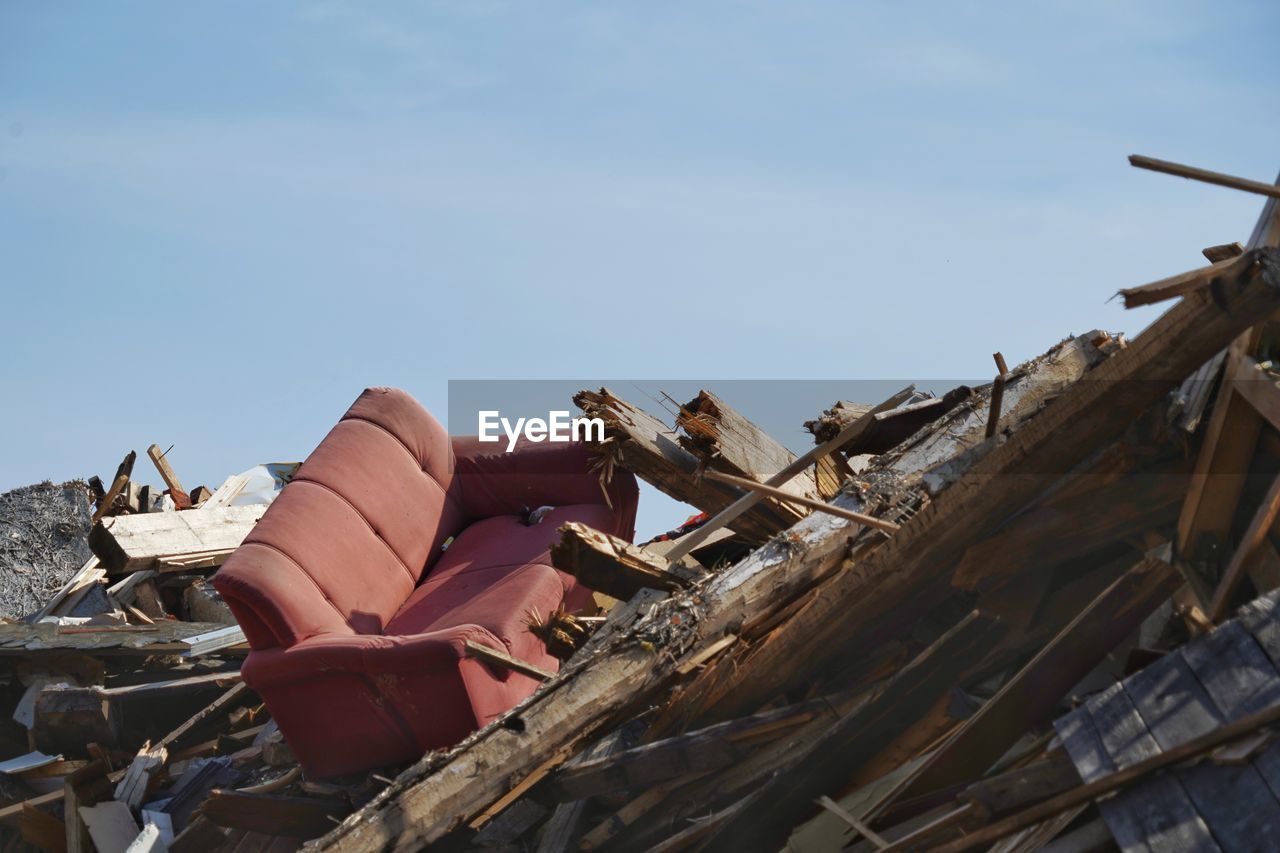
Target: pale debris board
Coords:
[[165, 636], [135, 542], [1194, 690]]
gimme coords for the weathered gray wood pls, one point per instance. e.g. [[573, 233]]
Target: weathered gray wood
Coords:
[[1159, 815], [1234, 801], [1241, 680], [133, 542]]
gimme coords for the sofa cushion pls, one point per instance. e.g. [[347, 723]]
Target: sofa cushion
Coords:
[[499, 600]]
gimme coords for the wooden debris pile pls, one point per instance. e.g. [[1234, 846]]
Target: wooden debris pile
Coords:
[[921, 633], [922, 595]]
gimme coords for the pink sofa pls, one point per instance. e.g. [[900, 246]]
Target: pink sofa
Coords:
[[357, 616]]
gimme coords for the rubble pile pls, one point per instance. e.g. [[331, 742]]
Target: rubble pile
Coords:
[[1035, 612]]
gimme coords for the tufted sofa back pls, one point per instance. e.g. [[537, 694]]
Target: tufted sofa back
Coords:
[[346, 542]]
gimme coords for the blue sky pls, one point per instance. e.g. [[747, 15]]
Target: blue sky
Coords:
[[218, 222]]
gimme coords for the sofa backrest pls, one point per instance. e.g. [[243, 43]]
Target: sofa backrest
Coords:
[[344, 544]]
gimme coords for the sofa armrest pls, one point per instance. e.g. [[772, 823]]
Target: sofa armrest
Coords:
[[363, 654], [494, 482]]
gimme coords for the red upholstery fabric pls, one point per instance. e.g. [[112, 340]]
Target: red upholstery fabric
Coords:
[[356, 617]]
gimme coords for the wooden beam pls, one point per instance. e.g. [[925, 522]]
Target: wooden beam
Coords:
[[1176, 285], [181, 499], [506, 661], [1196, 174], [820, 506], [133, 542], [611, 565], [1223, 252], [690, 541], [850, 741], [1071, 525], [1254, 535]]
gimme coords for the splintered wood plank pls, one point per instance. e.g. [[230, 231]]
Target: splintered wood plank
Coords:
[[728, 441], [610, 565], [1234, 801], [645, 446], [118, 484], [698, 751]]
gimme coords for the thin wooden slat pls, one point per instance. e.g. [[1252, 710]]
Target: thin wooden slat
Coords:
[[831, 509], [1194, 173], [506, 661]]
